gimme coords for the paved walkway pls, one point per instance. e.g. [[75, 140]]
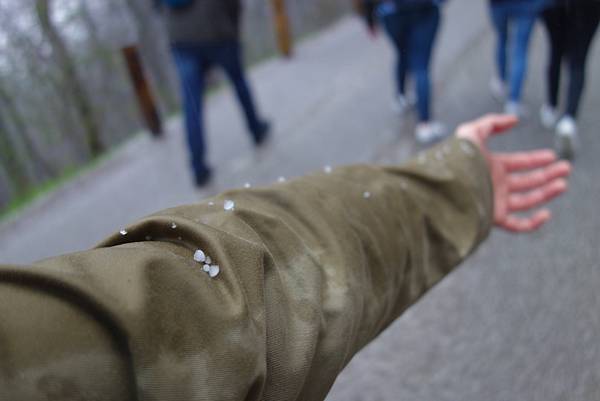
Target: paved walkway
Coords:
[[519, 321]]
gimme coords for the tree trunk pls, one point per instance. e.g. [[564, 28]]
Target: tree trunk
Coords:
[[82, 103], [12, 163], [41, 167]]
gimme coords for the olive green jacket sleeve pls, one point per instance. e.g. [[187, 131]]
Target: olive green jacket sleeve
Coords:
[[311, 270]]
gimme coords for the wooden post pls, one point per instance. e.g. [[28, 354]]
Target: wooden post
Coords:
[[358, 6], [282, 28], [143, 93]]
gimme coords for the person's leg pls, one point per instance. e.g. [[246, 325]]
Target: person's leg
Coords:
[[583, 24], [228, 56], [523, 24], [554, 20], [423, 30], [189, 68], [396, 31], [499, 18]]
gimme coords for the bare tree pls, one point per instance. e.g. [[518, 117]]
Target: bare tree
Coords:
[[11, 162], [81, 102], [41, 168]]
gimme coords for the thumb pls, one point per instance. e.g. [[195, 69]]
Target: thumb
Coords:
[[493, 124]]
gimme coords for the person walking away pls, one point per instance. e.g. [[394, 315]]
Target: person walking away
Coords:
[[204, 33], [412, 27], [513, 21], [571, 26]]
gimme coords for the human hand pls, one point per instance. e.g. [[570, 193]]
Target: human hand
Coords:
[[521, 180]]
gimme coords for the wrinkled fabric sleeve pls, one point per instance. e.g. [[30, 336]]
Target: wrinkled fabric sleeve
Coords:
[[311, 270]]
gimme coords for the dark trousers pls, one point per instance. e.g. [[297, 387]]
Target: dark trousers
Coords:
[[570, 32], [513, 23], [412, 31], [192, 62]]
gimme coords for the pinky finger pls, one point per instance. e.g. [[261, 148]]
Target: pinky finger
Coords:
[[526, 224]]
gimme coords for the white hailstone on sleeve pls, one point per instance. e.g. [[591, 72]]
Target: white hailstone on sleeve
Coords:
[[123, 232], [214, 271], [211, 203], [366, 194], [327, 169], [199, 256], [208, 259], [206, 268], [247, 185], [281, 179], [229, 205], [466, 148], [173, 225]]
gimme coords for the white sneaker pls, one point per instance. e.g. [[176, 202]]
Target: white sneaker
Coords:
[[566, 141], [515, 109], [548, 116], [429, 132], [400, 104], [498, 89]]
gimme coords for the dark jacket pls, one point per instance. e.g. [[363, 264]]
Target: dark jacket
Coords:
[[203, 21], [536, 3]]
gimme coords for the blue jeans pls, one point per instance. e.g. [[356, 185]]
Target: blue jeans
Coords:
[[192, 62], [412, 31], [516, 20]]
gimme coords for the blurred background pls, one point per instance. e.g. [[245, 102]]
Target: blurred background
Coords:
[[92, 137], [66, 95]]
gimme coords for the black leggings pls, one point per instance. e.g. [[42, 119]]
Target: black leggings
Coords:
[[570, 31]]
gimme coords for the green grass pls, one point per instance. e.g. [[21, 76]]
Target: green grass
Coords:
[[22, 201]]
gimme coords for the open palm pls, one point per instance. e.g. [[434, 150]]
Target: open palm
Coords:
[[522, 180]]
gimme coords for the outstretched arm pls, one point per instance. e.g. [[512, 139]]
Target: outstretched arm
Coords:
[[309, 272]]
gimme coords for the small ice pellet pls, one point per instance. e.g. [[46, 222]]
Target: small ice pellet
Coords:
[[206, 268], [173, 225], [211, 203], [123, 232], [208, 260], [148, 238], [327, 169], [229, 205], [199, 256], [281, 179], [366, 194], [214, 271], [247, 185]]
